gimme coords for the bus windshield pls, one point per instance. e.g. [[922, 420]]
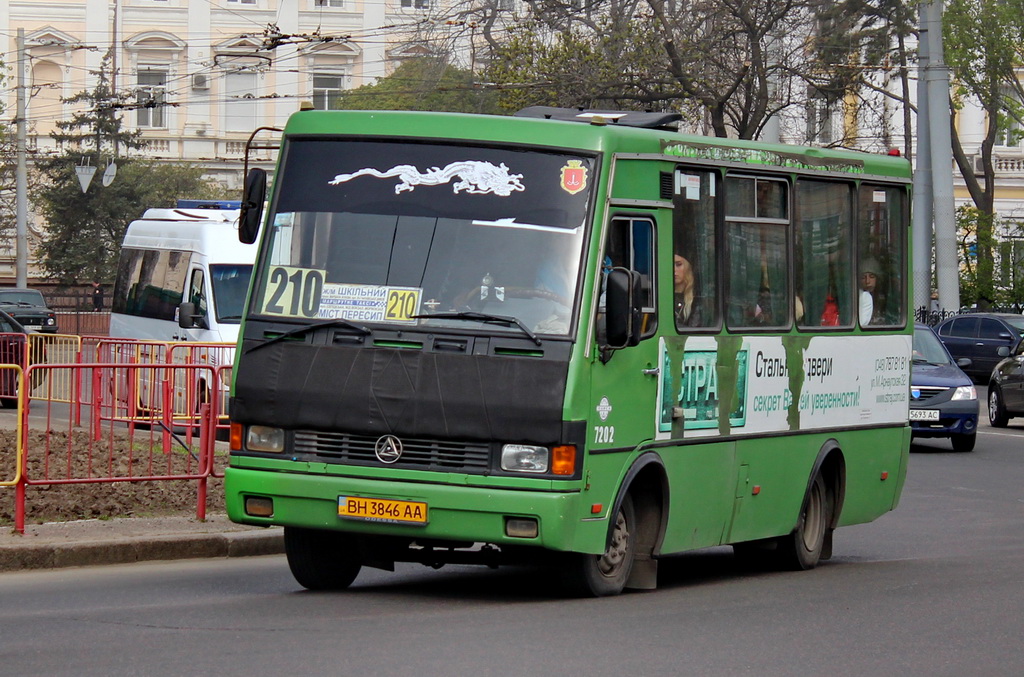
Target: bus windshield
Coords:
[[441, 235]]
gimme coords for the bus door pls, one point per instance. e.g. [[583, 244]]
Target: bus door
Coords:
[[625, 381]]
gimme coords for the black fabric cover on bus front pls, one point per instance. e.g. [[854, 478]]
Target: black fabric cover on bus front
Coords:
[[412, 393]]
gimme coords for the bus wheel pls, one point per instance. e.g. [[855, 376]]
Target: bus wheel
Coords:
[[322, 560], [606, 574], [801, 549]]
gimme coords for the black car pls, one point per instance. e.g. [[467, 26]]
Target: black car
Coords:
[[12, 351], [978, 337], [1006, 387], [943, 401], [29, 308]]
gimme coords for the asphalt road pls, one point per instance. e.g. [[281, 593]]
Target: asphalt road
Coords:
[[934, 588]]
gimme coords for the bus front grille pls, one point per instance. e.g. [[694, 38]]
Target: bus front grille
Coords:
[[442, 455]]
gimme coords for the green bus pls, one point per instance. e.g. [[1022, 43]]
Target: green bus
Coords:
[[574, 338]]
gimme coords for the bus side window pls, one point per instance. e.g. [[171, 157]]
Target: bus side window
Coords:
[[823, 255], [631, 245], [881, 249], [757, 223], [694, 254]]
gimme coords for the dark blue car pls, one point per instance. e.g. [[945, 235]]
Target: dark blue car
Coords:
[[943, 400]]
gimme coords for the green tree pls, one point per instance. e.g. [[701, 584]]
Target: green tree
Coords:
[[983, 49], [425, 84], [84, 229]]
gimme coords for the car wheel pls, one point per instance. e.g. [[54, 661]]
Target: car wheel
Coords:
[[964, 442], [997, 415]]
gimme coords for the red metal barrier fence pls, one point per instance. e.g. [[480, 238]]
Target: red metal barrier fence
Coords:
[[140, 412]]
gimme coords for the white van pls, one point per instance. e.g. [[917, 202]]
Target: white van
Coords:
[[183, 275]]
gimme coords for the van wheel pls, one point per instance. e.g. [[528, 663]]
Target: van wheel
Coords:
[[801, 549], [322, 560], [996, 409], [606, 574]]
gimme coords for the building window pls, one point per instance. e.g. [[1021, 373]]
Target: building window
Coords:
[[416, 4], [241, 2], [1010, 131], [330, 3], [326, 91], [240, 109], [151, 98]]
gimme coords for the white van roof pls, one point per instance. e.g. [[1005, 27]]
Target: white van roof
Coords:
[[211, 232]]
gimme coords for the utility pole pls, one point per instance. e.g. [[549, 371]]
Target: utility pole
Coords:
[[21, 173], [922, 212], [947, 269]]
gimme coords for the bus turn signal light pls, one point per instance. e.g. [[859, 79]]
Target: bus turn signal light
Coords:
[[236, 436], [259, 506], [563, 459]]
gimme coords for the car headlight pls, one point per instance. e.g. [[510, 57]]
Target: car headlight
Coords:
[[524, 458], [264, 438], [965, 393]]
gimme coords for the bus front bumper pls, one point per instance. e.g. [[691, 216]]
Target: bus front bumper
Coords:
[[454, 512]]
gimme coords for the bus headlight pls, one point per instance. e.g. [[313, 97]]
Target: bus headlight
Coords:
[[264, 438], [524, 458], [965, 393]]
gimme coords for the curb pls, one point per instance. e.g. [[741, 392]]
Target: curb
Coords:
[[185, 546]]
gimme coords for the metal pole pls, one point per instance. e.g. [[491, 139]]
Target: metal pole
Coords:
[[937, 74], [21, 174], [922, 223]]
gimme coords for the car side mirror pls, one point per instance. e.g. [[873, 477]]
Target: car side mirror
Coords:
[[623, 302], [965, 362], [188, 318], [253, 195], [1002, 351]]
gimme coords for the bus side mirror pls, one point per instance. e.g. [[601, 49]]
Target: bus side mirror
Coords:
[[623, 303], [189, 318], [251, 214]]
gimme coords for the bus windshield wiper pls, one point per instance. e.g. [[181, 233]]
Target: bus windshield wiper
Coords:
[[298, 331], [506, 320]]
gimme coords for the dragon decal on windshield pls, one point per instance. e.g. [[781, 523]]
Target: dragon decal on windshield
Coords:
[[474, 176]]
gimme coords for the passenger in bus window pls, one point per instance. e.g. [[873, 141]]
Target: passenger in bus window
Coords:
[[869, 306], [763, 307], [687, 312]]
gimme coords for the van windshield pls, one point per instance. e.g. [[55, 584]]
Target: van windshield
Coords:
[[230, 284], [394, 233]]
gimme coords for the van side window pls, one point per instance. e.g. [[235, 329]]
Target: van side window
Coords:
[[195, 291], [150, 282]]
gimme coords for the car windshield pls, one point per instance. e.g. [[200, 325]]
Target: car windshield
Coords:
[[27, 296], [1017, 323], [230, 284], [928, 348], [426, 234]]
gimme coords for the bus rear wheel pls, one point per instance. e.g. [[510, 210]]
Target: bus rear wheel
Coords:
[[606, 574], [322, 560], [801, 549]]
